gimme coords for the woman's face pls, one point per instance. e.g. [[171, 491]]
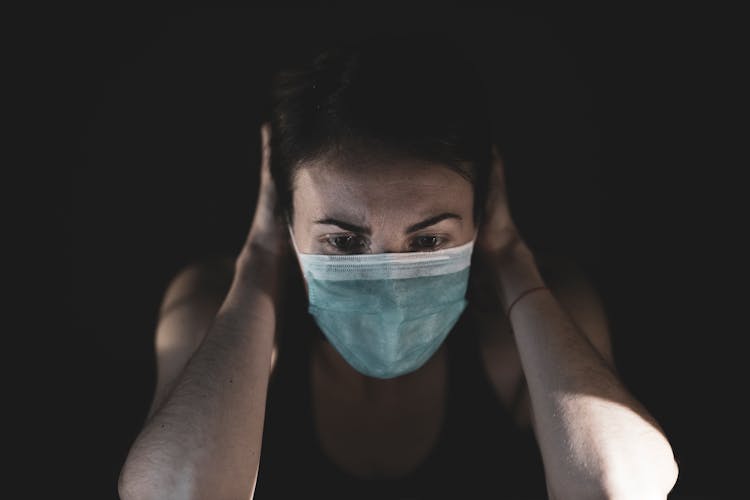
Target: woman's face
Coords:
[[398, 206]]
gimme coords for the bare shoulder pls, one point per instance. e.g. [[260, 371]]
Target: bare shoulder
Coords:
[[191, 299], [198, 280]]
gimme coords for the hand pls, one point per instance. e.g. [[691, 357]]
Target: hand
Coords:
[[261, 262], [260, 269], [497, 231], [268, 234], [498, 240]]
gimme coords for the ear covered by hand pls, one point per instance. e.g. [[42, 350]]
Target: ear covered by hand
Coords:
[[497, 232], [267, 232]]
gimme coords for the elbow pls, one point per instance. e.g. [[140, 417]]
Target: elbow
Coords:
[[139, 479], [671, 472], [134, 484], [130, 488], [148, 477], [652, 476]]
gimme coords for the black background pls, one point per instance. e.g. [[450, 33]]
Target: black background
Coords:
[[605, 123]]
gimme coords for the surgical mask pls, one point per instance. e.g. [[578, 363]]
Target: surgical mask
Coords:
[[387, 313]]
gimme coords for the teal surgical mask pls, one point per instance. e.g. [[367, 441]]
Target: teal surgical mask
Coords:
[[387, 313]]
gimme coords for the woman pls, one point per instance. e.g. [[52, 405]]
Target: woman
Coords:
[[441, 356]]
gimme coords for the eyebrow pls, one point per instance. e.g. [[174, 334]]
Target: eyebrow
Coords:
[[366, 230]]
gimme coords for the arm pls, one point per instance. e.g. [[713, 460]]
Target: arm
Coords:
[[596, 439], [188, 308], [203, 440]]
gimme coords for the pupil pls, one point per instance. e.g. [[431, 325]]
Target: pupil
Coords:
[[344, 241]]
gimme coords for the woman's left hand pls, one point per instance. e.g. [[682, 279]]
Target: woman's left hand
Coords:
[[498, 233], [498, 239]]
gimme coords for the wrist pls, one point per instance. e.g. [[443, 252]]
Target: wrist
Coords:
[[259, 266], [515, 272]]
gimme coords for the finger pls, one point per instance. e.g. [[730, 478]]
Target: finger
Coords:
[[494, 181], [265, 134], [267, 198], [498, 169]]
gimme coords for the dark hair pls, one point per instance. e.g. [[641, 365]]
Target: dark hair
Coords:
[[387, 96]]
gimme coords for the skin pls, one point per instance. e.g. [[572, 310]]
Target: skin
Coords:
[[596, 439]]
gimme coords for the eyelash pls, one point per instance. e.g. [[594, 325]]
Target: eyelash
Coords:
[[328, 240]]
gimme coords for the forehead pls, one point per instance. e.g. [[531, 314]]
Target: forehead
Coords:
[[388, 185]]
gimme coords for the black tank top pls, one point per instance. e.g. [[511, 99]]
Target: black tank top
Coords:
[[480, 452]]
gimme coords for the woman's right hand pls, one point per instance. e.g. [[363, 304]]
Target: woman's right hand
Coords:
[[267, 231], [222, 386], [261, 263]]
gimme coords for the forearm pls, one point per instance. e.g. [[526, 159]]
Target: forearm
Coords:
[[596, 439], [205, 439]]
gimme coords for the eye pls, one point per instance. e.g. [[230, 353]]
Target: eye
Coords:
[[427, 242], [347, 243]]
